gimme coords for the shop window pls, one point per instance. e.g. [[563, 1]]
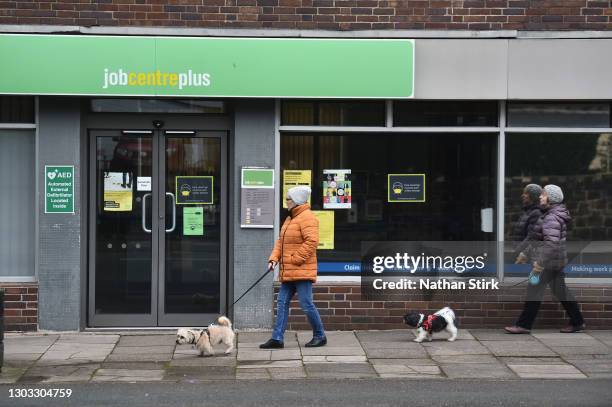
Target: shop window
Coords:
[[332, 113], [460, 179], [581, 164], [17, 203], [16, 109], [445, 113], [183, 106], [579, 114]]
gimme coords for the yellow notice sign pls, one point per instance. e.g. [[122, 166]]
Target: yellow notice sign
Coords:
[[326, 229], [293, 178], [118, 191]]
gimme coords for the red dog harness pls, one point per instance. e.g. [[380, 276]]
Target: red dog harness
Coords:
[[427, 324]]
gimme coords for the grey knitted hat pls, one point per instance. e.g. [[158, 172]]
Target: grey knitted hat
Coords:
[[534, 191], [299, 194], [555, 194]]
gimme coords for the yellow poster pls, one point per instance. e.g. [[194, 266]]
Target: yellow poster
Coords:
[[326, 229], [293, 178], [118, 191]]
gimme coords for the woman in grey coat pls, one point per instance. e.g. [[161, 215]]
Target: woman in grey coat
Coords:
[[548, 255]]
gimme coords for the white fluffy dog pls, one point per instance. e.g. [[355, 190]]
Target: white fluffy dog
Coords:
[[428, 324], [204, 339]]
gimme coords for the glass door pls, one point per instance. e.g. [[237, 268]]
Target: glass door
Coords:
[[192, 287], [157, 223]]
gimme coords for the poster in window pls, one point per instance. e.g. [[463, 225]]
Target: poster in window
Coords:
[[118, 194], [293, 178], [196, 190], [337, 189], [326, 229], [406, 188]]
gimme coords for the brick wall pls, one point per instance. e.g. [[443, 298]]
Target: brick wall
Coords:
[[342, 308], [20, 306], [317, 14]]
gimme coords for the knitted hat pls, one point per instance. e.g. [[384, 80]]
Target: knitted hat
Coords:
[[299, 194], [555, 195], [534, 191]]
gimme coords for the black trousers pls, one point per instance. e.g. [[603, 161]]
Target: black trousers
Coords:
[[556, 280]]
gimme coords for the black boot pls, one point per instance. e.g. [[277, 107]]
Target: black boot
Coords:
[[315, 343], [272, 344]]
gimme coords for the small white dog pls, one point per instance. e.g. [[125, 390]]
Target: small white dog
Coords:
[[428, 324], [204, 339]]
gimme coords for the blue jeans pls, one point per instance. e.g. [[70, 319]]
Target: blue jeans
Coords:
[[304, 292]]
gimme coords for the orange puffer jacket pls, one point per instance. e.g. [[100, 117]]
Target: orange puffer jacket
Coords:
[[296, 248]]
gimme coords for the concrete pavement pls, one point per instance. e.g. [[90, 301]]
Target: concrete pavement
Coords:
[[154, 357]]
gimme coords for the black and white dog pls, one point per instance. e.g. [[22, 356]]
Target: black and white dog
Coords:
[[428, 324]]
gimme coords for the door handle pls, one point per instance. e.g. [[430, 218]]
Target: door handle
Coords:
[[171, 195], [144, 213]]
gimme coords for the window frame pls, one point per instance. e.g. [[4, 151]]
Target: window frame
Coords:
[[501, 130]]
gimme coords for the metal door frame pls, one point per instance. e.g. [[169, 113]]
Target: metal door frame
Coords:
[[216, 126]]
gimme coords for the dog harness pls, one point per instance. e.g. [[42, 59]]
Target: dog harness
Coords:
[[428, 324]]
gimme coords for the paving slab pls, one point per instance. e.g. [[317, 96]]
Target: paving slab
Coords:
[[394, 338], [440, 348], [87, 338], [128, 375], [191, 374], [401, 370], [569, 351], [53, 374], [477, 370], [335, 351], [551, 371], [198, 361], [593, 367], [16, 339], [134, 365], [254, 355], [604, 337], [15, 348], [270, 364], [285, 354], [335, 359], [142, 349], [464, 359], [498, 335], [518, 348], [26, 357], [340, 370], [411, 352], [410, 362], [147, 340], [11, 374], [532, 361], [144, 357]]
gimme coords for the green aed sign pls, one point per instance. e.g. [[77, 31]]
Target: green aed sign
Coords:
[[59, 189], [206, 67]]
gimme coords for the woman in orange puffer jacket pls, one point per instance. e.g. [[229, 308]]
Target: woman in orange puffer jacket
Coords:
[[296, 251]]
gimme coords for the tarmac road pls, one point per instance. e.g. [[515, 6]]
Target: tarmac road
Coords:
[[376, 392]]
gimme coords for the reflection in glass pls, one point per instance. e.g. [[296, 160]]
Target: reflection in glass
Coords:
[[123, 251], [193, 255], [460, 182], [581, 164]]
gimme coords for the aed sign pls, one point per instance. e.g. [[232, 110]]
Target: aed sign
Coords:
[[59, 189]]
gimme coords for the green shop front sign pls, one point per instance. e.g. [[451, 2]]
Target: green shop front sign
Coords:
[[206, 67], [59, 189]]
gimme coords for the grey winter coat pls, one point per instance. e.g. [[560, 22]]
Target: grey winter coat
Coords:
[[523, 230], [551, 231]]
